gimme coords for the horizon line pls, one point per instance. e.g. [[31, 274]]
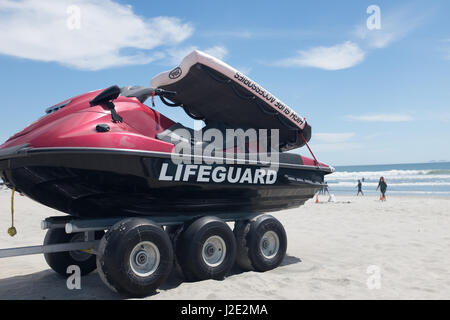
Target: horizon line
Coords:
[[390, 164]]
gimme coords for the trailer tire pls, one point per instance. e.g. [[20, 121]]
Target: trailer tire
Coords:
[[135, 257], [261, 243], [240, 231], [206, 249], [60, 261]]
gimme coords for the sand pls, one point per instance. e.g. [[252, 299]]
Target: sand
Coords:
[[355, 248]]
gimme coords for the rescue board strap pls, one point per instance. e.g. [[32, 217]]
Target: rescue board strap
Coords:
[[306, 143]]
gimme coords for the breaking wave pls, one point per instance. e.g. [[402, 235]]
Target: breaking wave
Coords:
[[392, 174], [426, 179], [438, 172]]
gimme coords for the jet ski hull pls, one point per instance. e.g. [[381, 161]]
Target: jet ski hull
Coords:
[[91, 182]]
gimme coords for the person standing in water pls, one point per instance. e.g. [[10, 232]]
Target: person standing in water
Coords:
[[359, 188], [383, 186]]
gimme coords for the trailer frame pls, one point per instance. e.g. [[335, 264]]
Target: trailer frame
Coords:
[[88, 226]]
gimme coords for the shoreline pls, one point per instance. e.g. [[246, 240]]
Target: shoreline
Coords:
[[407, 195], [4, 189]]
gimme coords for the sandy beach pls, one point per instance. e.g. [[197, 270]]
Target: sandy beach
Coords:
[[355, 248]]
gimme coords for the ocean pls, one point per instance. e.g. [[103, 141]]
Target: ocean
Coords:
[[427, 179]]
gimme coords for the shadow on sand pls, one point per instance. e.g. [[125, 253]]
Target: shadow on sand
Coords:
[[176, 278], [48, 285]]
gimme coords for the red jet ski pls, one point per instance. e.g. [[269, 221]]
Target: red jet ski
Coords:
[[113, 164], [105, 153]]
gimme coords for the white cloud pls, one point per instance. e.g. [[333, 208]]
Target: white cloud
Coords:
[[109, 34], [336, 147], [381, 118], [229, 34], [333, 137], [219, 52], [340, 56], [177, 54], [394, 26], [244, 70], [260, 32], [332, 142]]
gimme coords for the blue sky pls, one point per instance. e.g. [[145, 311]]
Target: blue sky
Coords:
[[371, 96]]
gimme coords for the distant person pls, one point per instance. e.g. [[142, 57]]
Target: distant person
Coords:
[[359, 188], [325, 188], [383, 186]]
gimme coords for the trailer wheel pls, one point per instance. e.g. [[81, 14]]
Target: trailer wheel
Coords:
[[206, 249], [59, 261], [261, 243], [135, 257]]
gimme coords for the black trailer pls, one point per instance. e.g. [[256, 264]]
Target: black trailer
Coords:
[[135, 255]]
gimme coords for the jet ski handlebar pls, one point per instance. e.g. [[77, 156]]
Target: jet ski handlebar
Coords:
[[107, 96], [164, 93], [143, 93]]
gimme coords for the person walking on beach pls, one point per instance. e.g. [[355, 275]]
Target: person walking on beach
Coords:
[[359, 188], [325, 189], [382, 185]]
